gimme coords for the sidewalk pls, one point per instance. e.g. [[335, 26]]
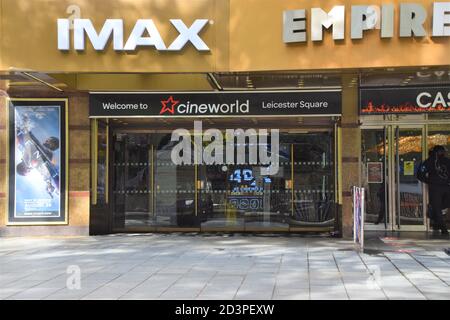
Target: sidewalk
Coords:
[[196, 266]]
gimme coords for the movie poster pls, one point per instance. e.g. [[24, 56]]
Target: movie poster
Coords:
[[37, 162], [408, 168], [374, 172]]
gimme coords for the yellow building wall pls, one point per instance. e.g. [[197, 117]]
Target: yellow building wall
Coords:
[[256, 41], [244, 35], [350, 150], [29, 35], [79, 160]]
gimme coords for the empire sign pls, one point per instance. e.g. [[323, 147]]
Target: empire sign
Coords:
[[412, 20]]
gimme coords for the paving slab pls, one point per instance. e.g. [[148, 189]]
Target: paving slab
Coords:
[[177, 266]]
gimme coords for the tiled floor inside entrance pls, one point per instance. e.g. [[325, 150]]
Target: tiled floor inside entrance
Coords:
[[192, 266]]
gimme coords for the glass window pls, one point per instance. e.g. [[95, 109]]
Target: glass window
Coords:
[[313, 179], [132, 174], [374, 160], [409, 156], [174, 186], [151, 190], [439, 135]]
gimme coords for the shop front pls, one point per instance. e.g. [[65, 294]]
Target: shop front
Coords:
[[400, 125], [237, 162], [218, 115]]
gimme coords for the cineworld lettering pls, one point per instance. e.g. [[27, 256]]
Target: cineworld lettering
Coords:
[[427, 100], [214, 108]]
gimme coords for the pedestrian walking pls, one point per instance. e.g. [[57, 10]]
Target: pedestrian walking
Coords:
[[435, 172]]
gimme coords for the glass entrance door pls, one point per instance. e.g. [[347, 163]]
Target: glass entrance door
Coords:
[[132, 172], [408, 191], [390, 157], [375, 176], [150, 192]]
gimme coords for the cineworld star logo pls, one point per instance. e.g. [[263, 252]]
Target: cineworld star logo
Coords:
[[169, 105]]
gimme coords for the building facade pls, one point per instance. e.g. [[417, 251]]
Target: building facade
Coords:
[[274, 110]]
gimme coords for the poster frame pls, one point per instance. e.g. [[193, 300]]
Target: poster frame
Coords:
[[63, 103]]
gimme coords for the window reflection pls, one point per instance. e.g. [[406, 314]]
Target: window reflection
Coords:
[[313, 169], [174, 186], [151, 191], [102, 149], [374, 159]]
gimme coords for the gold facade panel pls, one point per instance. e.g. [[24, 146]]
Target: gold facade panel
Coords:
[[350, 137], [79, 144], [3, 180], [351, 175], [350, 98], [32, 43], [142, 82], [261, 46], [79, 176], [3, 142], [79, 210], [242, 35], [3, 112], [79, 111], [3, 211]]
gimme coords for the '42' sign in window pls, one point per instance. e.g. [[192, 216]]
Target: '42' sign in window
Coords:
[[245, 176]]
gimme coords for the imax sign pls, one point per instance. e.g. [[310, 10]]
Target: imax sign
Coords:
[[144, 34], [412, 17]]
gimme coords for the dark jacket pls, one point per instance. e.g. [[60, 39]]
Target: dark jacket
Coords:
[[435, 171]]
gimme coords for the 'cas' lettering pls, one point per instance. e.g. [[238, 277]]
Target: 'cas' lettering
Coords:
[[426, 100]]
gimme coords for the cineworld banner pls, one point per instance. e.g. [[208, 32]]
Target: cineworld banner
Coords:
[[215, 104], [405, 100]]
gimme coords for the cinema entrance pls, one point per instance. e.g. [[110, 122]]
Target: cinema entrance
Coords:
[[148, 192], [281, 176], [396, 136]]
